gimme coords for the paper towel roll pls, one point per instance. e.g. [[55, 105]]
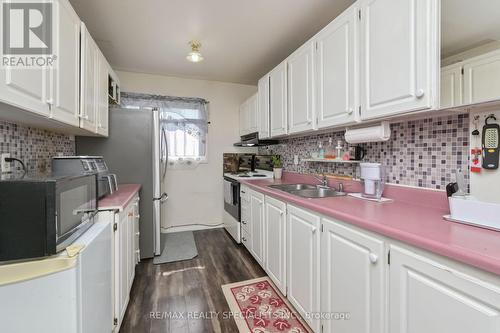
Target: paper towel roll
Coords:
[[377, 133]]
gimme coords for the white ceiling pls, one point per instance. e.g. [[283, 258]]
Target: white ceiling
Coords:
[[241, 39], [467, 23]]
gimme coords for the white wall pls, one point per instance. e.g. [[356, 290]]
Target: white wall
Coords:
[[195, 196]]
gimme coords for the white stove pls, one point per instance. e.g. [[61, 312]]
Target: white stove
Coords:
[[251, 175]]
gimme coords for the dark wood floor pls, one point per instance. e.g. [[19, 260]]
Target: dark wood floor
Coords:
[[189, 288]]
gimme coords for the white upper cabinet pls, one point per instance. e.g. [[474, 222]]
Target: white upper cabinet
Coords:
[[451, 86], [352, 279], [303, 263], [482, 78], [399, 55], [102, 108], [89, 81], [274, 242], [301, 78], [337, 74], [278, 100], [64, 99], [249, 116], [427, 296], [263, 107]]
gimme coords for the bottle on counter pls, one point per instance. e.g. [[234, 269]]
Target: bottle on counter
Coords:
[[339, 149], [330, 150], [321, 150]]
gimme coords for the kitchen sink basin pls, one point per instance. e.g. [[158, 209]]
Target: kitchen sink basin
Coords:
[[293, 187], [318, 193], [308, 191]]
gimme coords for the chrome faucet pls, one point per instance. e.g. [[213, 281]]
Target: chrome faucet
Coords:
[[323, 179]]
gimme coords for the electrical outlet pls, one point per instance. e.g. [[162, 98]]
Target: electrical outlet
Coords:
[[296, 159], [5, 166]]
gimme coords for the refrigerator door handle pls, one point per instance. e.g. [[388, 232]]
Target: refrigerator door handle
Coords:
[[162, 198]]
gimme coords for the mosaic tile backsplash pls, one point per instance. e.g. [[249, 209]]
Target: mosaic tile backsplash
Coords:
[[424, 153], [35, 147]]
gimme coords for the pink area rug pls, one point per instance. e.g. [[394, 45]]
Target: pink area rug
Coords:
[[258, 307]]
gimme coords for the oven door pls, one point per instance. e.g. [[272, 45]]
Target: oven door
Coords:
[[76, 207], [232, 198]]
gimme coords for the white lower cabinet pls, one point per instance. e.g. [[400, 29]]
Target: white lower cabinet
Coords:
[[352, 280], [428, 296], [257, 226], [342, 279], [303, 263], [125, 255], [275, 242]]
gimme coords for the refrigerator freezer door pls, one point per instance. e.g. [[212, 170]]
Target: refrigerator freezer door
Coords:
[[157, 180], [128, 152]]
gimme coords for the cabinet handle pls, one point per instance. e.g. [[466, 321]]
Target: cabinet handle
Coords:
[[243, 192], [420, 93], [373, 258], [137, 216], [282, 213], [243, 239], [50, 101], [351, 111], [130, 214], [243, 222], [313, 230]]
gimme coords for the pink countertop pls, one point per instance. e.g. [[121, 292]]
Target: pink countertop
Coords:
[[414, 217], [120, 199]]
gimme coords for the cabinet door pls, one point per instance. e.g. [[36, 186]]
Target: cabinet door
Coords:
[[263, 107], [131, 247], [121, 262], [482, 78], [303, 263], [337, 62], [426, 296], [399, 56], [66, 75], [253, 116], [451, 86], [274, 242], [102, 107], [257, 226], [89, 80], [300, 78], [277, 100], [352, 279], [244, 118]]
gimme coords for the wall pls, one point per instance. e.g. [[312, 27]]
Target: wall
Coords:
[[195, 196], [424, 153], [35, 147]]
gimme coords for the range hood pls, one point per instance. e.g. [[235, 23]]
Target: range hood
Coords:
[[252, 140]]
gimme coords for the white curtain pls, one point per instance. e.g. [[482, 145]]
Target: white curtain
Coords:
[[185, 121]]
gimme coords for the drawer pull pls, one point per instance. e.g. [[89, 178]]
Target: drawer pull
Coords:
[[243, 239], [373, 258], [243, 222]]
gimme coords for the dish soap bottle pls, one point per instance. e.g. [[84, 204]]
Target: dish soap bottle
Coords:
[[330, 150], [321, 150]]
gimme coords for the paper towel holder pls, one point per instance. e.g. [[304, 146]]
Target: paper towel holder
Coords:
[[377, 133]]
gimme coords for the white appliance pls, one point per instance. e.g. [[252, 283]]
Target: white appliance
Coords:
[[372, 177], [61, 293]]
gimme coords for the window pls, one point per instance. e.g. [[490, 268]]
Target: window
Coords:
[[183, 122]]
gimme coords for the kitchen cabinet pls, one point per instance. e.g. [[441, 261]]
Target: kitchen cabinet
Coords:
[[427, 295], [248, 116], [451, 86], [263, 107], [300, 85], [352, 279], [64, 100], [102, 100], [257, 226], [399, 56], [275, 242], [89, 81], [245, 217], [278, 100], [126, 254], [337, 82], [482, 78], [49, 92], [303, 263]]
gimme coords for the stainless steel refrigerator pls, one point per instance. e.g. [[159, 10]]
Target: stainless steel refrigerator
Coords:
[[137, 152]]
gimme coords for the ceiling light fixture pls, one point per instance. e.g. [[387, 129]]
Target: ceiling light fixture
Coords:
[[194, 55]]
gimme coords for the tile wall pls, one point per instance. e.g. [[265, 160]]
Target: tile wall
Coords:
[[35, 147], [424, 153]]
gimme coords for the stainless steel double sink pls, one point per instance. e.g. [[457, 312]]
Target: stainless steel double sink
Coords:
[[309, 191]]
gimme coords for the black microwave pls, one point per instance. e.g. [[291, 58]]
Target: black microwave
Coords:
[[42, 216]]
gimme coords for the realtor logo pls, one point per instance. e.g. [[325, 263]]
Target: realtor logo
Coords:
[[27, 28]]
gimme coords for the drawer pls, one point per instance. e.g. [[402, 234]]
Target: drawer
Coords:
[[245, 239]]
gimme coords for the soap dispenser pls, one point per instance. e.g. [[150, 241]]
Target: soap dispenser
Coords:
[[321, 150], [330, 150]]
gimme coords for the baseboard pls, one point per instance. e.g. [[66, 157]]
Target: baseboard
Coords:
[[193, 227]]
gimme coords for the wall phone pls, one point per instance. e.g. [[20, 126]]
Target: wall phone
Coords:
[[490, 142]]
